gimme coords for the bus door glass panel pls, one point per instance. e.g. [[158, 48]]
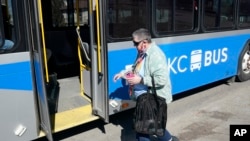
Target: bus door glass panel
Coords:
[[244, 13], [8, 31], [64, 13], [218, 14], [125, 16]]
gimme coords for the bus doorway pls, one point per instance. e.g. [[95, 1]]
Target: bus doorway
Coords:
[[72, 44]]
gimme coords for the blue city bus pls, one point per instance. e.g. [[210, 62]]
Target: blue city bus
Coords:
[[58, 57]]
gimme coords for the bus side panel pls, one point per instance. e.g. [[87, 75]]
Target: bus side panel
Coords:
[[196, 63], [19, 120], [193, 60], [118, 91]]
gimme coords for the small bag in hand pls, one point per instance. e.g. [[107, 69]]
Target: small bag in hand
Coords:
[[150, 116]]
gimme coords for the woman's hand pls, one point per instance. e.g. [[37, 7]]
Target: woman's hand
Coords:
[[117, 76], [136, 79]]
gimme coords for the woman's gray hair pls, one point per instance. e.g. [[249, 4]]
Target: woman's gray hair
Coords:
[[142, 34]]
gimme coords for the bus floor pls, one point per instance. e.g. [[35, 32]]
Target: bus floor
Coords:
[[70, 96]]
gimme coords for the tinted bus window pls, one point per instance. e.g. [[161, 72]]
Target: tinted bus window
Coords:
[[244, 13], [125, 16], [8, 26], [218, 14], [164, 15], [174, 15], [184, 15]]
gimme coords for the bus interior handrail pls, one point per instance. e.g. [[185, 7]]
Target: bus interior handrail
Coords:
[[84, 45]]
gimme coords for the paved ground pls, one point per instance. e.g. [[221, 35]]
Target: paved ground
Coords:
[[211, 113], [201, 115]]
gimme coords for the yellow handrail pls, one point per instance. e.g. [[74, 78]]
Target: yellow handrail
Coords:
[[98, 37], [43, 40], [82, 66], [79, 50]]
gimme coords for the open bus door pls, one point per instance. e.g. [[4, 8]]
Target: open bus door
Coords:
[[97, 75], [75, 106], [45, 122]]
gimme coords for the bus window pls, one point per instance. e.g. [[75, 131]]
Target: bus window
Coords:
[[163, 16], [125, 16], [8, 26], [175, 15], [244, 13], [184, 15], [218, 14]]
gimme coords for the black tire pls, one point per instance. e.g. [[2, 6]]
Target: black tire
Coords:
[[244, 65]]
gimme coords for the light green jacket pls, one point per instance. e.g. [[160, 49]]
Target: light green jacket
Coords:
[[156, 65]]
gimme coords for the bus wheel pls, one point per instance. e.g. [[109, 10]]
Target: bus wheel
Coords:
[[244, 66]]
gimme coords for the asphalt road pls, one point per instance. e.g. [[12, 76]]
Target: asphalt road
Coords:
[[204, 114]]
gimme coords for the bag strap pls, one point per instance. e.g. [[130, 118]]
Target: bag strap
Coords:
[[153, 86], [153, 83], [153, 91]]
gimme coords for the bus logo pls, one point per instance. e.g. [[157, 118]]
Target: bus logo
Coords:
[[195, 60]]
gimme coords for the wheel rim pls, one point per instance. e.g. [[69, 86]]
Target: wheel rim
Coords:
[[246, 63]]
